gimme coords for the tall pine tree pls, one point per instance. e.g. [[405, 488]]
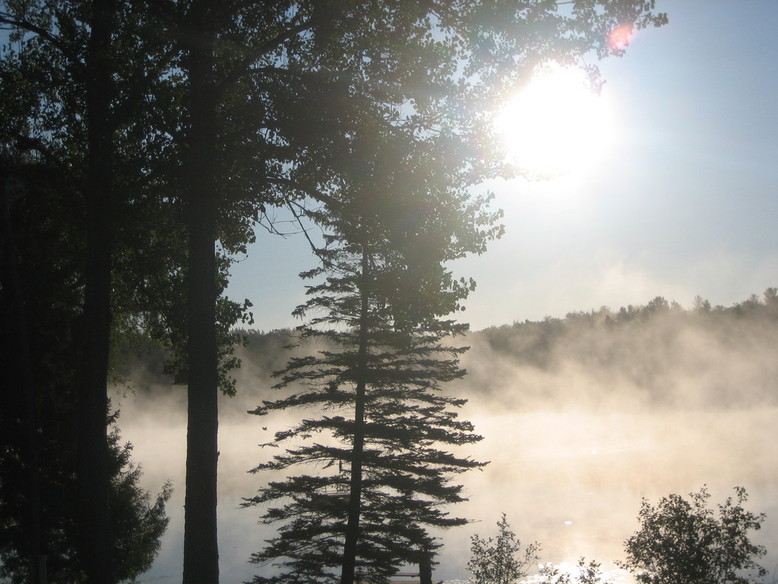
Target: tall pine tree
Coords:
[[380, 475]]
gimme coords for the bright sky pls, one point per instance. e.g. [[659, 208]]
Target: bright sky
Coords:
[[684, 201]]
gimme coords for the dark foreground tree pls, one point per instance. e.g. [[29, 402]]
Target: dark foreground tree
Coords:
[[86, 58], [47, 268], [138, 519], [78, 37], [683, 541], [201, 554], [96, 538], [69, 102]]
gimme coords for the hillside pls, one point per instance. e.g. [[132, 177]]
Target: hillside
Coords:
[[659, 354], [656, 355]]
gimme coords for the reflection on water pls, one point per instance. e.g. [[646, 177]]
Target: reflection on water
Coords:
[[569, 479]]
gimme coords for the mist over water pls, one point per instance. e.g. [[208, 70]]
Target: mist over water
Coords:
[[579, 423]]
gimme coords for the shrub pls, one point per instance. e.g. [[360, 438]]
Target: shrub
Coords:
[[682, 541], [501, 560]]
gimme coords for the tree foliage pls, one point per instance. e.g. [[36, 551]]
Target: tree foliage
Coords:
[[138, 518], [43, 265], [684, 541], [501, 560], [62, 121]]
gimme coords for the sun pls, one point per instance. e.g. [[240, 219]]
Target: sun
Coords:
[[556, 125]]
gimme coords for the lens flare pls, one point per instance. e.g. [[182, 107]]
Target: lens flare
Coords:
[[620, 37]]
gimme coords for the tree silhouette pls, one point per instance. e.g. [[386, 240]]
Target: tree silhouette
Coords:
[[49, 270], [379, 312], [61, 110], [501, 560], [681, 541]]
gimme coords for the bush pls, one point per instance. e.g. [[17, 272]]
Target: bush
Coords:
[[682, 541], [500, 561]]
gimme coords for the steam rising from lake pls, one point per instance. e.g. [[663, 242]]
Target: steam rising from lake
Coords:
[[579, 424]]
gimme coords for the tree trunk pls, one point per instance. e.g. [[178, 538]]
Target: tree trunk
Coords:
[[355, 486], [95, 537], [201, 553], [425, 568], [31, 451]]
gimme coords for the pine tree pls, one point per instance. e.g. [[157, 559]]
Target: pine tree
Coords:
[[380, 475]]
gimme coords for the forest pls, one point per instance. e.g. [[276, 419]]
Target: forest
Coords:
[[611, 342], [652, 349], [637, 346]]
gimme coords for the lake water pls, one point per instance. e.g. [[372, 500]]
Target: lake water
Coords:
[[568, 476]]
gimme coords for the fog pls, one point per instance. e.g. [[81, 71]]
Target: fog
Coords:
[[579, 423]]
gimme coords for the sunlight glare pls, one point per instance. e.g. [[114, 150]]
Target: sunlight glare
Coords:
[[557, 125]]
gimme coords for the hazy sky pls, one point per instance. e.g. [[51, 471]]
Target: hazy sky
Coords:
[[683, 204]]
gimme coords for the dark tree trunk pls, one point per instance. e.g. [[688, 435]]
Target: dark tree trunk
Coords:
[[95, 537], [425, 568], [24, 364], [201, 553], [355, 487]]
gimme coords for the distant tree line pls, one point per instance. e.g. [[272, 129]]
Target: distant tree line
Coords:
[[645, 346], [605, 318]]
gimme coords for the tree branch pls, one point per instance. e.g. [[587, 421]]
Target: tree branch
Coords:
[[314, 194], [316, 251], [272, 43], [12, 21]]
